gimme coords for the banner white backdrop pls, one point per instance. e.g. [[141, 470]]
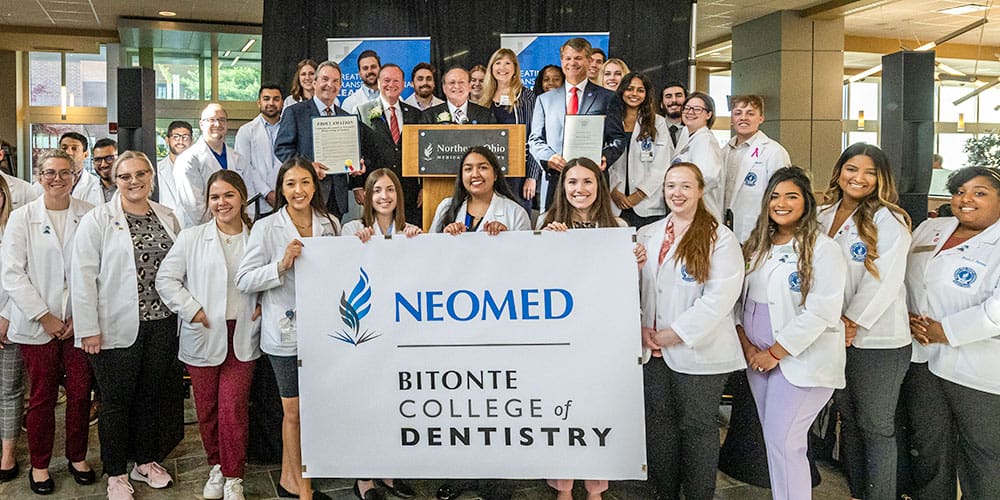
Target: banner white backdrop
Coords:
[[509, 356]]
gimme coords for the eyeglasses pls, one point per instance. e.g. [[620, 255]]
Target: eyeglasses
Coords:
[[694, 109], [180, 137], [216, 121], [51, 174], [105, 159], [139, 176]]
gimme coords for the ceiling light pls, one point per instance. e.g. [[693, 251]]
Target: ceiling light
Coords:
[[234, 61], [167, 13], [714, 51], [227, 53], [954, 34], [249, 44], [949, 69], [864, 74], [968, 8]]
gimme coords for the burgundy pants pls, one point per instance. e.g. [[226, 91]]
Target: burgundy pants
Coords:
[[221, 394], [47, 365]]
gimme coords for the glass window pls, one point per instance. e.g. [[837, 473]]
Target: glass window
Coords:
[[177, 77], [720, 87], [950, 147], [45, 78], [863, 96], [855, 137], [87, 79], [46, 136], [240, 81], [989, 106], [949, 112]]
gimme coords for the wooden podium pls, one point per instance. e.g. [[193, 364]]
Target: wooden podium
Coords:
[[438, 160]]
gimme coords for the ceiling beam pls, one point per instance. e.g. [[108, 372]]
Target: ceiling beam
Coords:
[[49, 39], [949, 50], [836, 9]]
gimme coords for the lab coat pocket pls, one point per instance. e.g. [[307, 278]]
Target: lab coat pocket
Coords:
[[194, 342]]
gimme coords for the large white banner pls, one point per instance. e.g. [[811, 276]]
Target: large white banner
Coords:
[[509, 356]]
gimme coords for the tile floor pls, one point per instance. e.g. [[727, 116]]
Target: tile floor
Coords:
[[189, 468]]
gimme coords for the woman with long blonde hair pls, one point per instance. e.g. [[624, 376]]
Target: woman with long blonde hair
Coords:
[[861, 215], [512, 103], [688, 335], [791, 333]]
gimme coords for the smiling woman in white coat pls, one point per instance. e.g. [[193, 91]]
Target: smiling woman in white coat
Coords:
[[220, 334], [37, 258], [120, 320], [268, 268], [874, 236], [953, 385], [482, 200], [636, 178], [689, 338], [791, 332], [697, 145]]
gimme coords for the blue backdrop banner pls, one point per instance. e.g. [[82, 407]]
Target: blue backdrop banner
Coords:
[[537, 50], [406, 52]]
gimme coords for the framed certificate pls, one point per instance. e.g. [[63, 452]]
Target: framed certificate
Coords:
[[583, 137], [337, 143]]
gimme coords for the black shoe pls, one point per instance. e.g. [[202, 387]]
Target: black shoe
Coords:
[[399, 488], [10, 474], [372, 494], [448, 492], [283, 493], [42, 487], [81, 477]]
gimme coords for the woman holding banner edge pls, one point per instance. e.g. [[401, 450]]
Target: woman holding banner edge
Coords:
[[482, 200], [688, 334], [267, 268]]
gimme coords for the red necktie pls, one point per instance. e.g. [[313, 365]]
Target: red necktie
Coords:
[[668, 241], [574, 102], [393, 124]]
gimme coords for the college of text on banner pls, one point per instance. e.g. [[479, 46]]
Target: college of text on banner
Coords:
[[460, 356]]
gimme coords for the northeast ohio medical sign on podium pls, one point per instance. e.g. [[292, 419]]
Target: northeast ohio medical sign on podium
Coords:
[[454, 356]]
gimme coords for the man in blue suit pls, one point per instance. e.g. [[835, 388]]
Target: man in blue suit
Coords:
[[576, 96], [295, 136]]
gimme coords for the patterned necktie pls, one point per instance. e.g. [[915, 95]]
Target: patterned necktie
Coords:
[[574, 102], [668, 241], [393, 124], [328, 111], [459, 116]]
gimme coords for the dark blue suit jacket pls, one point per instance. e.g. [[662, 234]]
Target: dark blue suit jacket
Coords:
[[295, 139]]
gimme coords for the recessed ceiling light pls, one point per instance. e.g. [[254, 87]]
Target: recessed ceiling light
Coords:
[[968, 8], [167, 13]]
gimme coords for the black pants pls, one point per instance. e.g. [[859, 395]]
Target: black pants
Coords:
[[135, 382], [867, 414], [951, 427], [682, 432]]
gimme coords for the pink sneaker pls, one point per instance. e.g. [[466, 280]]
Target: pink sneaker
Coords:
[[119, 488], [152, 474]]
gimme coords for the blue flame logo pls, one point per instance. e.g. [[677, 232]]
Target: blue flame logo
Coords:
[[354, 308]]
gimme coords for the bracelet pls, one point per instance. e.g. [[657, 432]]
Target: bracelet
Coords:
[[772, 354]]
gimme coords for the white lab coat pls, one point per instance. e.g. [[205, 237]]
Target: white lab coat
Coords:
[[258, 273], [21, 191], [253, 144], [748, 168], [877, 305], [352, 227], [36, 268], [960, 287], [192, 168], [192, 277], [502, 209], [812, 334], [357, 98], [165, 179], [103, 281], [700, 313], [646, 163], [702, 149]]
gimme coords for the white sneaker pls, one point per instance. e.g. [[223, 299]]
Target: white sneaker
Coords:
[[154, 475], [234, 489], [213, 487], [119, 488]]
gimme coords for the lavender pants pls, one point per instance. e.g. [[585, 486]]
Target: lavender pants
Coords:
[[786, 412]]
